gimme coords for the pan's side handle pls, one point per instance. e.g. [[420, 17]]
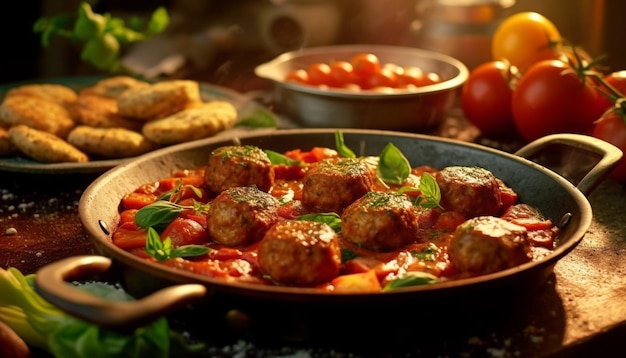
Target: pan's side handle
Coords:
[[51, 283], [610, 155]]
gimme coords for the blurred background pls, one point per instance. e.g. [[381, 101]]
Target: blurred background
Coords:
[[222, 41]]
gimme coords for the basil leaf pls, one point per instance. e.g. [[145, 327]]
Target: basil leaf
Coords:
[[393, 167], [158, 213], [162, 250], [156, 248], [278, 158], [430, 190], [189, 251], [259, 118], [341, 146], [331, 219], [409, 279]]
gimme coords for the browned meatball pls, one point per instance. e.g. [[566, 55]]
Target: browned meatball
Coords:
[[236, 166], [298, 252], [239, 216], [471, 191], [488, 244], [333, 184], [380, 221]]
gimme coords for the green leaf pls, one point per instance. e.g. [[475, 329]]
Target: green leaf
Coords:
[[393, 166], [341, 146], [427, 253], [156, 248], [430, 190], [259, 118], [279, 158], [101, 51], [331, 219], [162, 250], [159, 21], [88, 25], [409, 279], [189, 251], [158, 213]]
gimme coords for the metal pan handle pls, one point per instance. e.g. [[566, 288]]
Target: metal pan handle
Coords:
[[610, 155], [51, 284]]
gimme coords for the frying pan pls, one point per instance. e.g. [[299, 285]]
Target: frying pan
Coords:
[[161, 289]]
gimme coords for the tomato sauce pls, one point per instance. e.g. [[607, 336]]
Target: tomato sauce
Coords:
[[362, 270]]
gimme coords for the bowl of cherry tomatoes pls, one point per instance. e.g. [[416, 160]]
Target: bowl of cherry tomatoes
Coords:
[[364, 86]]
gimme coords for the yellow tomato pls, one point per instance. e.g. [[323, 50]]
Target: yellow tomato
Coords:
[[525, 38]]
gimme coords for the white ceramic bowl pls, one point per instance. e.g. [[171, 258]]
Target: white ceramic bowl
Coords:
[[410, 110]]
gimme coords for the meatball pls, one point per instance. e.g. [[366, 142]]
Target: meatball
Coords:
[[471, 191], [488, 244], [242, 215], [237, 166], [333, 184], [380, 221], [299, 252]]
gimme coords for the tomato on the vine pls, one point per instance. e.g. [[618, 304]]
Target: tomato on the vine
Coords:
[[525, 38], [486, 98], [617, 80], [552, 98], [612, 128]]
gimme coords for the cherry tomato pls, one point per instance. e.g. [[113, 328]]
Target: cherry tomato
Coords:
[[612, 128], [184, 231], [319, 74], [551, 98], [525, 38], [385, 78], [617, 80], [342, 74], [486, 98], [298, 76], [409, 76], [365, 65]]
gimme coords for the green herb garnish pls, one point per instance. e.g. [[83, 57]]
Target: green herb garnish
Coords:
[[278, 158], [331, 219], [259, 118], [162, 250], [341, 146], [409, 279], [159, 213], [393, 167], [425, 254]]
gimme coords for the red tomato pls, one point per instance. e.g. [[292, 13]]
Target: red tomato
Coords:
[[486, 98], [184, 231], [298, 76], [319, 74], [612, 128], [385, 78], [617, 80], [342, 74], [365, 64], [550, 98], [409, 76]]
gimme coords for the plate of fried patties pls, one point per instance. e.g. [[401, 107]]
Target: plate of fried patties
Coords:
[[91, 124]]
